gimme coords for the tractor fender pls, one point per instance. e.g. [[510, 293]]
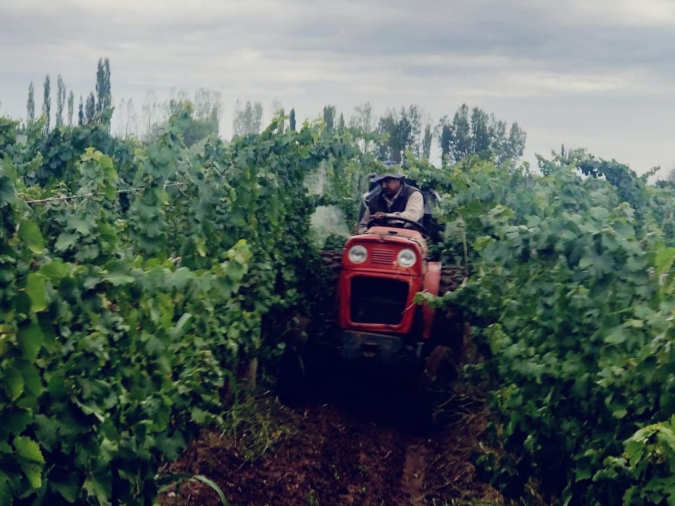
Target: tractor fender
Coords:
[[432, 281]]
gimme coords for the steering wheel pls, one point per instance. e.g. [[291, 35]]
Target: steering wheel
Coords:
[[417, 226]]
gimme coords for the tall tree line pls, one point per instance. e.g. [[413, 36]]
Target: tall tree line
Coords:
[[468, 132], [98, 108], [474, 132]]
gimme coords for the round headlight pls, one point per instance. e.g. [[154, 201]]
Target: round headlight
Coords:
[[357, 254], [406, 258]]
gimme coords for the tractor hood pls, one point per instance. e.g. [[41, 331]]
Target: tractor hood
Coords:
[[395, 250]]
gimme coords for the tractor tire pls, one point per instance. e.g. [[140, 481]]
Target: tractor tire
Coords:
[[318, 360], [330, 276], [332, 266], [449, 325], [291, 378], [441, 359], [434, 390]]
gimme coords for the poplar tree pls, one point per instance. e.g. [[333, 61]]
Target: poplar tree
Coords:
[[80, 113], [71, 107], [30, 106], [60, 100], [47, 102], [291, 119]]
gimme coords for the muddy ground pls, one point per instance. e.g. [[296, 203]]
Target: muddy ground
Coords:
[[351, 450]]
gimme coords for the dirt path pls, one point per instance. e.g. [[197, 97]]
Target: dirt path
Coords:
[[414, 472], [325, 454]]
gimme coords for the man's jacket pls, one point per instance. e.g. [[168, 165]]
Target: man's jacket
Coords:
[[407, 203]]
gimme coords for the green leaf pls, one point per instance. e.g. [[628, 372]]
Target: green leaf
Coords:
[[599, 213], [214, 486], [30, 339], [30, 459], [31, 378], [582, 473], [14, 384], [96, 489], [13, 421], [66, 241], [82, 226], [33, 472], [636, 324], [664, 260], [35, 288], [171, 445], [177, 330], [181, 278], [620, 413], [617, 336], [55, 270], [69, 489], [118, 279], [6, 492], [47, 431], [30, 234], [28, 449]]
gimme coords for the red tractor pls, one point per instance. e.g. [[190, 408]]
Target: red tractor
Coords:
[[372, 323]]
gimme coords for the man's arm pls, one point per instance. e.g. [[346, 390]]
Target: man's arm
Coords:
[[361, 228]]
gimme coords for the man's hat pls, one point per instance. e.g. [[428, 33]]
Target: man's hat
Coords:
[[394, 175]]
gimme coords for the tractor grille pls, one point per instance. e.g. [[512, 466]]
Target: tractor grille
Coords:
[[377, 300], [382, 256]]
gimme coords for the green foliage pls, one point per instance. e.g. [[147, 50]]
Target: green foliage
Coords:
[[100, 109], [568, 310], [247, 118], [8, 131], [329, 112], [195, 126], [647, 465], [473, 132], [136, 281], [49, 161], [400, 132], [121, 324]]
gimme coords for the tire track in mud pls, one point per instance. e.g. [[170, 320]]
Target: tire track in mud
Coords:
[[414, 472], [324, 455]]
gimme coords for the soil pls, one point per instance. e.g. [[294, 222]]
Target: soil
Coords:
[[352, 450]]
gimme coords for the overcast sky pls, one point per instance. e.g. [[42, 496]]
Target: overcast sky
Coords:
[[598, 74]]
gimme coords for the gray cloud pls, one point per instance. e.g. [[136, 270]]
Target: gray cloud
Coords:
[[570, 69]]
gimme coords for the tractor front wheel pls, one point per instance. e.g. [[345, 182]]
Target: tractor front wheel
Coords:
[[291, 383]]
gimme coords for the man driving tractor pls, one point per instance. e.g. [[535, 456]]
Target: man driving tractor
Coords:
[[394, 198]]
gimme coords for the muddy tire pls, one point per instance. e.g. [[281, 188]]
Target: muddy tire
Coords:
[[442, 359], [332, 266], [449, 325], [434, 390], [326, 314], [301, 364], [291, 377], [303, 369]]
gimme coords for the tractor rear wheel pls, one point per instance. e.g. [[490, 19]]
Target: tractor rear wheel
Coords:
[[302, 365], [328, 280], [317, 358], [449, 325], [442, 358], [332, 265], [434, 389]]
